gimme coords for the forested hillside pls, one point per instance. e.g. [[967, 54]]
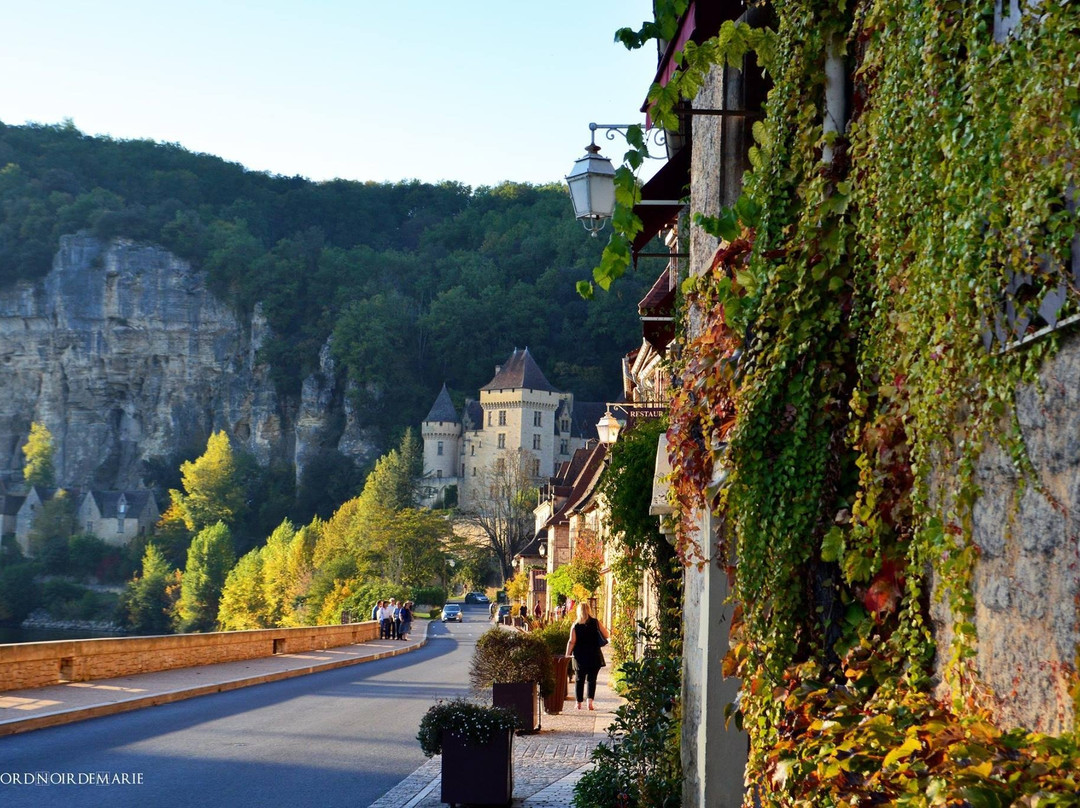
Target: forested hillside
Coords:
[[417, 283]]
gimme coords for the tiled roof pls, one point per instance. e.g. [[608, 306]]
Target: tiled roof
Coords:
[[519, 372], [474, 415], [10, 504], [108, 502], [443, 409], [585, 417]]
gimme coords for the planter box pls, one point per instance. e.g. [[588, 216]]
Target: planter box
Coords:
[[521, 697], [553, 702], [478, 774]]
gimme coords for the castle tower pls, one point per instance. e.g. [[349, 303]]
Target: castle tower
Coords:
[[441, 431]]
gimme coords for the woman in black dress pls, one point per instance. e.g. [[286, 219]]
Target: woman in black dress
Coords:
[[584, 647]]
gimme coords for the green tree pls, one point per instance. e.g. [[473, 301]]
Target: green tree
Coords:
[[209, 559], [38, 453], [394, 482], [243, 597], [148, 603], [213, 491], [406, 546], [54, 524]]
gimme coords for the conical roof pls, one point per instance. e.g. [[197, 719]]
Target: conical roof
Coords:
[[443, 408], [520, 372]]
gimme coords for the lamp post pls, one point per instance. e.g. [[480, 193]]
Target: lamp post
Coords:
[[592, 187], [608, 428]]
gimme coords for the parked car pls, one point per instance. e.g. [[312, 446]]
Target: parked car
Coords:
[[503, 611], [451, 611], [476, 597]]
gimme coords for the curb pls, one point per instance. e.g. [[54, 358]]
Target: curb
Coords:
[[60, 717]]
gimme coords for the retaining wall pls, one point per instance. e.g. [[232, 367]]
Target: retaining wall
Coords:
[[36, 664]]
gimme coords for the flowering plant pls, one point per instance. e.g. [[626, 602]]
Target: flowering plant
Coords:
[[472, 722]]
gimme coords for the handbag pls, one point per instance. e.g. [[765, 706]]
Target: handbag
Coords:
[[600, 636], [600, 661]]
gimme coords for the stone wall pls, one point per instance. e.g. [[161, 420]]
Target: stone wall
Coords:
[[36, 664], [1027, 581]]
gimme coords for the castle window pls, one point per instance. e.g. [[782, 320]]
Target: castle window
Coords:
[[500, 465], [438, 450], [502, 417], [474, 471], [462, 469], [489, 418], [472, 450], [566, 425], [564, 447], [536, 441], [536, 467], [538, 418], [438, 473], [502, 440]]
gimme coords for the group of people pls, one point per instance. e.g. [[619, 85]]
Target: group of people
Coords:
[[395, 619]]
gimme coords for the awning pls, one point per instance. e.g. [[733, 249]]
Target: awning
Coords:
[[661, 199]]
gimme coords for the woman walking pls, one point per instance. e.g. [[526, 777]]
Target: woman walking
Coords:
[[584, 646]]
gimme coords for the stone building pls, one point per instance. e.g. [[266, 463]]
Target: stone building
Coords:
[[518, 411]]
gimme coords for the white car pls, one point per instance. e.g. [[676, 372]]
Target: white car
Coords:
[[451, 611]]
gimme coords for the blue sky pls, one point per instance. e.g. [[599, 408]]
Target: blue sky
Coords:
[[466, 90]]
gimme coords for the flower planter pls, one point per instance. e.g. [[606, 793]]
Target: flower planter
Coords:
[[478, 773], [522, 698], [553, 702]]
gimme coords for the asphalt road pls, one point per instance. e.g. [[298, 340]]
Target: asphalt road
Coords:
[[340, 738]]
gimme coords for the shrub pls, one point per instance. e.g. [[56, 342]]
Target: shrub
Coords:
[[555, 635], [511, 656], [429, 595], [475, 723]]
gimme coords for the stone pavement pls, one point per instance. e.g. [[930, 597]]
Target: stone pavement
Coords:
[[546, 764]]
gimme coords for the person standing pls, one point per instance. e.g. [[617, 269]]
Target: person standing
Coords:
[[406, 620], [584, 646], [385, 620], [395, 618]]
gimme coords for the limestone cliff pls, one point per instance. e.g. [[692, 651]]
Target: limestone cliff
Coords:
[[128, 358]]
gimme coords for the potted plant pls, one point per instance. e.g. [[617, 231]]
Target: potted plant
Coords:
[[555, 636], [476, 743], [516, 666]]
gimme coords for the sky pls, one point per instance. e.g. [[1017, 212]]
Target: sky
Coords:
[[472, 91]]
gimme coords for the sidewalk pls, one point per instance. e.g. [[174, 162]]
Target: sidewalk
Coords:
[[546, 765], [50, 706]]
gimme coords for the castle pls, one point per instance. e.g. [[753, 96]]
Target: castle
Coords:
[[519, 414]]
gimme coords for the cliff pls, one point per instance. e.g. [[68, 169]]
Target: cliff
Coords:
[[130, 360]]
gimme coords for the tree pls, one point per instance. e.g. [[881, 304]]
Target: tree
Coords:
[[243, 597], [394, 481], [213, 491], [54, 524], [209, 559], [406, 547], [503, 506], [38, 452], [148, 601]]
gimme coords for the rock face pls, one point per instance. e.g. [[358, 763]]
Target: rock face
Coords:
[[127, 357]]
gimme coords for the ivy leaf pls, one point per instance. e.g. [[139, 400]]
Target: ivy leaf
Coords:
[[906, 749], [585, 289], [832, 546]]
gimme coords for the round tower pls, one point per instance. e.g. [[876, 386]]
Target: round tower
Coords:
[[441, 431]]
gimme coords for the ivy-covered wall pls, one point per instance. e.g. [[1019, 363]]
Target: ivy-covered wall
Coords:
[[894, 513]]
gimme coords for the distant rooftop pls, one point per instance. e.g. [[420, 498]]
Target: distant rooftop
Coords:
[[519, 372], [443, 409]]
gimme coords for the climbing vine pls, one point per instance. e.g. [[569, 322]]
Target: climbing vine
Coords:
[[849, 357]]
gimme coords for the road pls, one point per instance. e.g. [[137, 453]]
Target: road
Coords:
[[340, 738]]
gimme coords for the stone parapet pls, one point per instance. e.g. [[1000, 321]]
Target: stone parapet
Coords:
[[36, 664]]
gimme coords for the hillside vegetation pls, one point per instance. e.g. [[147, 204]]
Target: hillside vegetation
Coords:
[[417, 283]]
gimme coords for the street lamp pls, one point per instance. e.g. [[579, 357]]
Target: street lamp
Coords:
[[542, 549], [608, 428], [592, 187]]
